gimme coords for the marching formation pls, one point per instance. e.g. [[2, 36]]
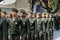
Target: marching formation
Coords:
[[26, 26]]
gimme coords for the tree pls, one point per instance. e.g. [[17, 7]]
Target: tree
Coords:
[[50, 5]]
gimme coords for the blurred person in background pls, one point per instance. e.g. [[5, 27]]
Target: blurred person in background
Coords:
[[57, 21], [30, 2]]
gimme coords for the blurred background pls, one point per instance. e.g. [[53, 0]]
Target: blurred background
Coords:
[[37, 6], [20, 4]]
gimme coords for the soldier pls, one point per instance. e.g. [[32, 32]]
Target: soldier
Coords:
[[42, 37], [39, 26], [56, 18], [51, 26], [47, 28], [44, 25], [13, 33], [23, 31], [32, 26], [3, 29]]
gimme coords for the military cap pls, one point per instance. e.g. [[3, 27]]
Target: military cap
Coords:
[[31, 13], [4, 12], [15, 10], [22, 11]]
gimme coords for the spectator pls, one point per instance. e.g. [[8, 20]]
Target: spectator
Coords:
[[30, 2], [38, 8]]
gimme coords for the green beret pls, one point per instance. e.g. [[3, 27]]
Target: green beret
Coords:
[[4, 12], [15, 10], [22, 11], [30, 12]]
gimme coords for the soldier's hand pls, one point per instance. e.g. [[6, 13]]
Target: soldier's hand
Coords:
[[20, 37], [35, 35], [9, 37], [50, 29], [27, 36]]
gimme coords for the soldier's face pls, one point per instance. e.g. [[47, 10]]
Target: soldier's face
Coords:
[[13, 13], [29, 15], [2, 14], [46, 15], [21, 14], [37, 16], [42, 15], [33, 16]]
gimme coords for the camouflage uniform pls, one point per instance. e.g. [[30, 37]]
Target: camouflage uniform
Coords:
[[32, 28], [3, 29], [24, 30]]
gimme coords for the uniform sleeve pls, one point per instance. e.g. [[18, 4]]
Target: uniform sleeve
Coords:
[[5, 26]]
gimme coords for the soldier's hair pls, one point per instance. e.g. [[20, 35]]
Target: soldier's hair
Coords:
[[31, 13], [4, 12], [15, 10], [22, 11]]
